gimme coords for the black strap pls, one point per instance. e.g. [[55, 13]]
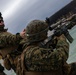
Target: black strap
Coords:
[[73, 69]]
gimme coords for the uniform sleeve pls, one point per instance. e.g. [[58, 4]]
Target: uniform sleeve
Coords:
[[62, 49], [9, 40]]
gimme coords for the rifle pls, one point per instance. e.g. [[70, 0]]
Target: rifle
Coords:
[[60, 27]]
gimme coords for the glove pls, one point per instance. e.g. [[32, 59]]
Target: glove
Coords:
[[61, 37]]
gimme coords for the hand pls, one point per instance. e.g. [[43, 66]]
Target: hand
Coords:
[[61, 37]]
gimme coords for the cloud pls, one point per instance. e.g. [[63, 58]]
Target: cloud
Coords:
[[11, 8], [18, 13]]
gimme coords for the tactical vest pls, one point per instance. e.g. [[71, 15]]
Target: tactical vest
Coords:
[[22, 70]]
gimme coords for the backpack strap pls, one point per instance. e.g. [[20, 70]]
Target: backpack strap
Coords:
[[24, 68]]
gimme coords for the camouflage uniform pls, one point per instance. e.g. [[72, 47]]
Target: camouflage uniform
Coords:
[[7, 39]]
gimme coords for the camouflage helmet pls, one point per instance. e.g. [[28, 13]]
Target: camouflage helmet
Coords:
[[36, 30]]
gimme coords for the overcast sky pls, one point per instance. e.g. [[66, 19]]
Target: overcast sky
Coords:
[[17, 13]]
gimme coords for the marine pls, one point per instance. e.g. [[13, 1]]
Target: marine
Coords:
[[38, 60], [8, 44]]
